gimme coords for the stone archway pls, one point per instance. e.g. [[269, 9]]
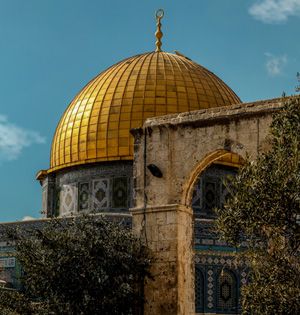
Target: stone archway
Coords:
[[182, 147]]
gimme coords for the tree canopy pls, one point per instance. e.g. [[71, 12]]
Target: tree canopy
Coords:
[[83, 265], [264, 209]]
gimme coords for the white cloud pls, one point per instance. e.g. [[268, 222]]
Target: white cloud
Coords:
[[275, 11], [13, 139], [28, 218], [275, 64]]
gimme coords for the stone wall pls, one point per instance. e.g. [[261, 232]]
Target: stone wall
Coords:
[[177, 144], [160, 227], [182, 146]]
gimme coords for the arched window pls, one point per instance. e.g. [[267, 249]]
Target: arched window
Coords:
[[210, 191], [199, 290], [227, 289]]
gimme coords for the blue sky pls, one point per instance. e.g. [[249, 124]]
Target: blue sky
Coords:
[[51, 48]]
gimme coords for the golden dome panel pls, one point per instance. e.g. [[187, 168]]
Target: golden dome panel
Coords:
[[96, 125]]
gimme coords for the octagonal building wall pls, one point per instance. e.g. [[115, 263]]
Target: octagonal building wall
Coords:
[[99, 187]]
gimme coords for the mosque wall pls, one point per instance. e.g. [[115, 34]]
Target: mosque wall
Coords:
[[182, 146], [96, 187]]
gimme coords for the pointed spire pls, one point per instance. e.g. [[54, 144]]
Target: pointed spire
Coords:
[[159, 15]]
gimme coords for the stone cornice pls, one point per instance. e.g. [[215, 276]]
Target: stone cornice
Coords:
[[162, 208], [217, 115]]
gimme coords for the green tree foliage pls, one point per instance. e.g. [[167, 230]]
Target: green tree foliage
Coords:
[[264, 208], [84, 265]]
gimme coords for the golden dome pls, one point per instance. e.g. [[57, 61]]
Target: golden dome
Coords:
[[95, 127]]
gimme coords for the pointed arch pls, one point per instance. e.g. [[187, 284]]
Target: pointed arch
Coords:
[[227, 291], [222, 157]]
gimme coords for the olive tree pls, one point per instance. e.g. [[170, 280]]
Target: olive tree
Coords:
[[264, 209], [82, 265]]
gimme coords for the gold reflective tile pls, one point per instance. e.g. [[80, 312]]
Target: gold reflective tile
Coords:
[[96, 124]]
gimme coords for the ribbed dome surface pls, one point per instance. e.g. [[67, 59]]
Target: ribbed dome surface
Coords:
[[95, 127]]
